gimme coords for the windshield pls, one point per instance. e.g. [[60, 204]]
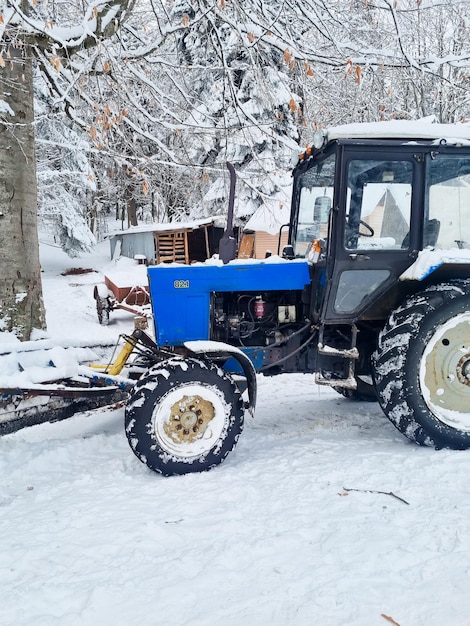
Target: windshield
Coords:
[[315, 201]]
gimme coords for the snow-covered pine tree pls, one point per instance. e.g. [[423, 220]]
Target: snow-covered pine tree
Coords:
[[66, 182], [244, 109]]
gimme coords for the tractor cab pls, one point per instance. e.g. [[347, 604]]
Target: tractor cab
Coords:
[[369, 205]]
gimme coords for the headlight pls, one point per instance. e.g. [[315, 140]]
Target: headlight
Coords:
[[319, 139]]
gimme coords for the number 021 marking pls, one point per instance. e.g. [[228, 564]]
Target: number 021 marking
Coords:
[[181, 284]]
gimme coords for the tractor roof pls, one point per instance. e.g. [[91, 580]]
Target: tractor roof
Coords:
[[400, 129], [393, 130]]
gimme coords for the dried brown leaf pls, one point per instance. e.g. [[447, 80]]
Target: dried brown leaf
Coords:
[[358, 73]]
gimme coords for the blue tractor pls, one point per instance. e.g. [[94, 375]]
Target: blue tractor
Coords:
[[371, 296]]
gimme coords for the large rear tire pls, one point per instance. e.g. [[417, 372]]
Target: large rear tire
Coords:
[[422, 367], [184, 415]]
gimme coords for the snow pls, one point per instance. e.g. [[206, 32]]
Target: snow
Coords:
[[269, 217], [429, 260], [27, 368], [204, 346], [299, 526], [5, 108], [401, 129], [163, 227], [127, 272]]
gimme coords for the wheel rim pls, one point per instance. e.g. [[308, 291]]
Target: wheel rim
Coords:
[[445, 373], [189, 420]]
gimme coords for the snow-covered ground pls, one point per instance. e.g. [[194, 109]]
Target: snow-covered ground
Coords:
[[323, 515]]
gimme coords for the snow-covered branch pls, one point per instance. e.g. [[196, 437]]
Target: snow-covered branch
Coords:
[[98, 21]]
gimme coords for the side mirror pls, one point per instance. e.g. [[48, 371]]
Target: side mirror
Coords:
[[288, 252]]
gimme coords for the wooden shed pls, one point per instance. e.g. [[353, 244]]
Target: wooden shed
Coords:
[[178, 242], [263, 232]]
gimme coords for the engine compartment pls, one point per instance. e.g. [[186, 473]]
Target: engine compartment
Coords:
[[256, 318]]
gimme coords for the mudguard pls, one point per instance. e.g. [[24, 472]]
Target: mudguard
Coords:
[[429, 261]]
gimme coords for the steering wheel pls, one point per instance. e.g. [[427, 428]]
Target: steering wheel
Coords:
[[368, 227]]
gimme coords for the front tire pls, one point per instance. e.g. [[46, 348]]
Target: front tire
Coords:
[[184, 415], [422, 367]]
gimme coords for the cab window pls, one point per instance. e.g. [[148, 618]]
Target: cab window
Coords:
[[447, 202], [378, 205], [315, 201]]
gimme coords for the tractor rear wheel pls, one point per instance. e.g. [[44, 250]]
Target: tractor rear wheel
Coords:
[[184, 415], [422, 366]]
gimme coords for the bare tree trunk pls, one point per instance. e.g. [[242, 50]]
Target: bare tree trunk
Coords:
[[132, 211], [21, 304]]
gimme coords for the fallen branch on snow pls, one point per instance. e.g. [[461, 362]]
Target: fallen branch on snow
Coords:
[[385, 493]]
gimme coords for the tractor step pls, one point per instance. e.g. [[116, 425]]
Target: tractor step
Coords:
[[347, 383], [350, 353], [327, 358]]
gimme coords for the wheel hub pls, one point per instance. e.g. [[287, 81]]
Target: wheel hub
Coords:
[[463, 370], [445, 373], [189, 419]]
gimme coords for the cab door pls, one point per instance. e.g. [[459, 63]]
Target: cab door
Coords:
[[370, 243]]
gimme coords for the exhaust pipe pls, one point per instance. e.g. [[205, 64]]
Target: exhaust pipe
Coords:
[[228, 244]]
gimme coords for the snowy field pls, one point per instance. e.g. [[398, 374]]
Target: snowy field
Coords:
[[324, 515]]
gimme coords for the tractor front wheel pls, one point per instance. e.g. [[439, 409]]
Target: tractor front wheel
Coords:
[[184, 415], [422, 367]]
